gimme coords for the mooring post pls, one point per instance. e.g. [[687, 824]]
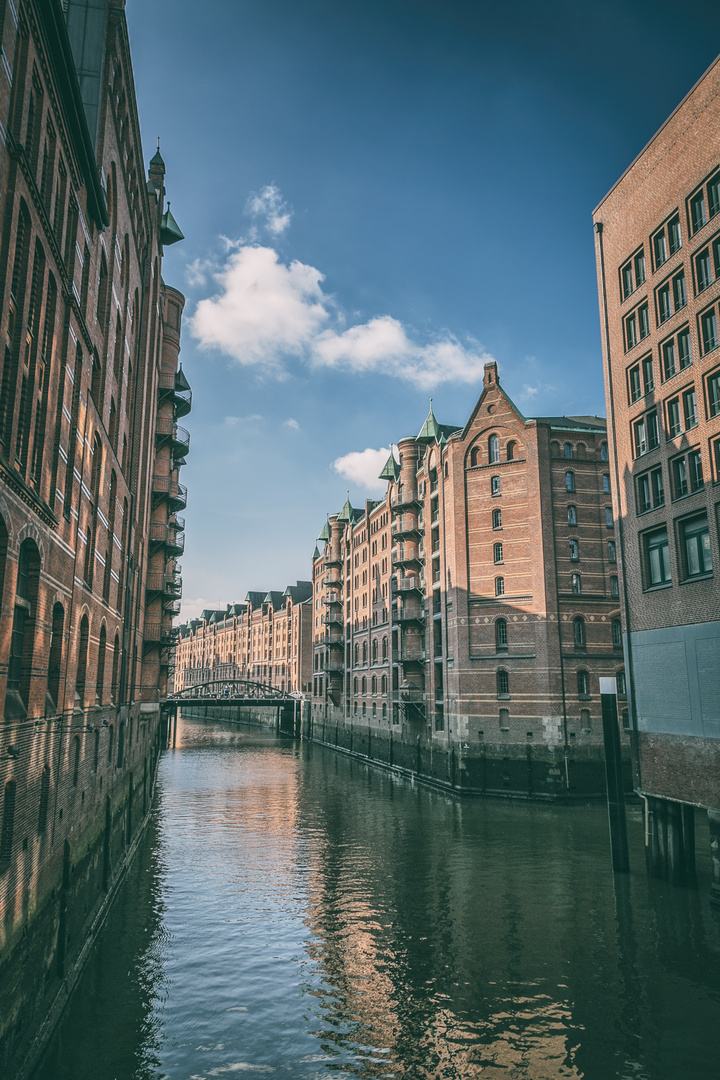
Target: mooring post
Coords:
[[613, 776]]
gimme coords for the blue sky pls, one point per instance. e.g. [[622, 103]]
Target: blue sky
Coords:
[[377, 197]]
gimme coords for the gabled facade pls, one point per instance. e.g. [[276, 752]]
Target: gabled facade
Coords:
[[466, 618]]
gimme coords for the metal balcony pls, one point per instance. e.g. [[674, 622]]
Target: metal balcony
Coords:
[[405, 525], [332, 579], [169, 386], [406, 556], [403, 502], [409, 583], [409, 695], [409, 615], [333, 638], [164, 487], [333, 619], [332, 599], [156, 631], [155, 582], [332, 560]]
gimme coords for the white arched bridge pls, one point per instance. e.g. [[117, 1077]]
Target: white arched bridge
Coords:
[[237, 695]]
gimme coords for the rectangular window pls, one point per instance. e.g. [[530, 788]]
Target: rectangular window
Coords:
[[651, 424], [642, 493], [713, 393], [703, 275], [609, 517], [631, 334], [657, 557], [574, 550], [679, 291], [695, 541], [612, 551], [674, 234], [657, 487], [674, 421], [648, 374], [498, 553], [640, 274], [634, 386], [713, 190], [640, 437], [695, 469], [643, 321], [678, 468], [606, 483], [669, 359], [660, 248], [716, 257], [690, 408], [708, 323], [698, 216], [664, 305], [626, 280], [683, 349]]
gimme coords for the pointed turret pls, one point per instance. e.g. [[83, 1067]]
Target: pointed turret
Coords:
[[391, 469], [325, 534], [430, 431], [156, 171], [170, 231], [316, 554], [346, 514]]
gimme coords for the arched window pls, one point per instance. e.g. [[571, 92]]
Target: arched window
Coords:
[[494, 485], [355, 708], [44, 799], [569, 481], [579, 632], [364, 708], [375, 651], [511, 450], [583, 683], [355, 685], [374, 709], [96, 749], [614, 587], [576, 584], [621, 684], [100, 681], [474, 456], [497, 553], [384, 710], [501, 639], [504, 718], [503, 683], [89, 559], [8, 822], [112, 426], [364, 686], [55, 660], [499, 586], [364, 653], [604, 452], [497, 519], [567, 450], [493, 449], [373, 685], [82, 662], [357, 654], [383, 684], [574, 546], [616, 634], [612, 551], [111, 743], [384, 648], [76, 760], [572, 515], [96, 382], [22, 638]]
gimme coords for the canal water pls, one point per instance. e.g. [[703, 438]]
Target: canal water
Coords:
[[296, 914]]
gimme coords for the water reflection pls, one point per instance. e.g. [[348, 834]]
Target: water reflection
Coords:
[[294, 913]]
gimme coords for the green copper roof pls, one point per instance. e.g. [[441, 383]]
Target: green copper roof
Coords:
[[430, 429], [346, 514], [391, 470], [316, 553], [170, 231], [325, 534]]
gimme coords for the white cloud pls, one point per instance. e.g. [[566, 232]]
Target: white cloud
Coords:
[[292, 424], [269, 208], [233, 421], [529, 391], [363, 467]]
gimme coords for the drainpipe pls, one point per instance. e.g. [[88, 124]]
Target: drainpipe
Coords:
[[630, 681], [559, 626]]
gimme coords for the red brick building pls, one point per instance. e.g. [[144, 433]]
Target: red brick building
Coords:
[[461, 623], [658, 252], [90, 394]]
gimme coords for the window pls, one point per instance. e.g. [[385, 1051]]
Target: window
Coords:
[[679, 291], [583, 684], [499, 586], [690, 408], [708, 328], [510, 452], [572, 515], [8, 821], [609, 523], [678, 470], [574, 550], [631, 332], [616, 634], [612, 551], [643, 321], [495, 485], [713, 394], [648, 374], [640, 274], [576, 584], [703, 274], [569, 481], [657, 557], [503, 683], [493, 449], [474, 453], [622, 692], [645, 432], [497, 553], [497, 519], [664, 304], [649, 491], [674, 418], [567, 450], [695, 545], [695, 470], [674, 234], [660, 248], [713, 191], [501, 639], [579, 632], [684, 354], [606, 483], [614, 586], [632, 274], [626, 280], [698, 216], [634, 385], [669, 360]]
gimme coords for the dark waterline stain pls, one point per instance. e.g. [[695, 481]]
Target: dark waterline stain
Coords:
[[295, 914]]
